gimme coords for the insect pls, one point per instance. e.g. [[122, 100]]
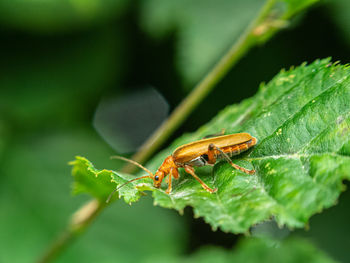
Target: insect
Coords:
[[195, 154]]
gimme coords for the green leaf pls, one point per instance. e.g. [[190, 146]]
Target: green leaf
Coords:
[[206, 29], [302, 123], [99, 183], [252, 250], [84, 174]]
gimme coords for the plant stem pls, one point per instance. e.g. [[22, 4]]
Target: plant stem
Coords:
[[262, 29]]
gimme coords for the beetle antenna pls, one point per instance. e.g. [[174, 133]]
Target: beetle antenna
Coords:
[[120, 186], [133, 162]]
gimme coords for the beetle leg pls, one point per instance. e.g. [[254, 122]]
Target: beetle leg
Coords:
[[190, 170], [169, 182], [227, 158], [175, 173], [211, 154]]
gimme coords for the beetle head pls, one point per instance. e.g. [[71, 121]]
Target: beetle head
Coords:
[[158, 178]]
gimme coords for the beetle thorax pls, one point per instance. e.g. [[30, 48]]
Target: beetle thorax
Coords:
[[167, 165], [163, 171]]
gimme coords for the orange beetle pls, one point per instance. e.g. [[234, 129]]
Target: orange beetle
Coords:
[[195, 154]]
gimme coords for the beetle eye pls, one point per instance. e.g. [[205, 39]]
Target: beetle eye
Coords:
[[156, 178]]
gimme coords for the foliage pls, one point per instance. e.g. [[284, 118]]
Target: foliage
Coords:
[[59, 58], [301, 120]]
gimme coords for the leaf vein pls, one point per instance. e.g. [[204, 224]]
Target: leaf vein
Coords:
[[292, 117]]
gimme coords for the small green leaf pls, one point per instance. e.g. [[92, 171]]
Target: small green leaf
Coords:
[[84, 179], [100, 183], [302, 122]]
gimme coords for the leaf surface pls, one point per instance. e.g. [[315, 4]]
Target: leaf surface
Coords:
[[302, 123]]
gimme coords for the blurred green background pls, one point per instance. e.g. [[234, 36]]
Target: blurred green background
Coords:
[[58, 59]]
